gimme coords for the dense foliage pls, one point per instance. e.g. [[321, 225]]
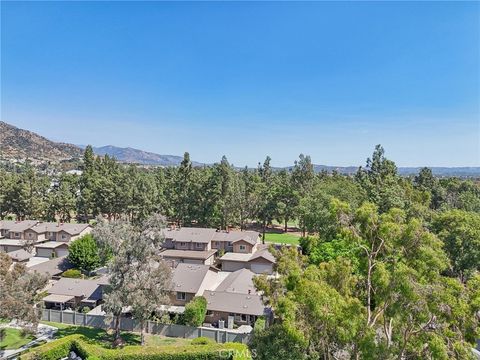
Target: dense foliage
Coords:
[[83, 253], [389, 265], [195, 311]]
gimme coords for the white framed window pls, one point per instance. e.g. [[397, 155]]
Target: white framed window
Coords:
[[182, 244], [243, 247], [181, 295], [63, 237]]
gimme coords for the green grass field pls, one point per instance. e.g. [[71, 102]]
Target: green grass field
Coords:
[[105, 338], [282, 238], [14, 339]]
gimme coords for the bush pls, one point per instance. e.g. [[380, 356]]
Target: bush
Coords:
[[90, 351], [54, 350], [195, 311], [72, 273], [259, 324], [202, 341]]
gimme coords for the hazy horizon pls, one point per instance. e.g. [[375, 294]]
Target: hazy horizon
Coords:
[[247, 80]]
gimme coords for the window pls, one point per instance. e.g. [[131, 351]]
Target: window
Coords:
[[30, 235], [243, 317], [199, 245], [229, 243], [183, 244], [243, 248], [63, 237], [181, 296], [209, 313], [17, 235], [214, 244]]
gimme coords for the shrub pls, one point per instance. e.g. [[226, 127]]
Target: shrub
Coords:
[[202, 340], [54, 350], [72, 273], [195, 311], [88, 350], [259, 324]]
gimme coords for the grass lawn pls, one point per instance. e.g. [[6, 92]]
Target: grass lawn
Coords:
[[13, 339], [98, 335], [155, 340], [282, 238], [105, 338]]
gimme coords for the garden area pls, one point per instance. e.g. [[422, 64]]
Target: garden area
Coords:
[[96, 344], [12, 338]]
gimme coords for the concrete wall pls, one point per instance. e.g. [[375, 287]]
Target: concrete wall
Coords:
[[152, 327]]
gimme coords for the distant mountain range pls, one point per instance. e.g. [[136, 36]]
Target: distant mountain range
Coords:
[[136, 156], [17, 144]]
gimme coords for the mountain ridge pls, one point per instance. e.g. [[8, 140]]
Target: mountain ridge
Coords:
[[19, 143]]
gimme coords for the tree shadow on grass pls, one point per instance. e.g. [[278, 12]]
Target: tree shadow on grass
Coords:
[[99, 336]]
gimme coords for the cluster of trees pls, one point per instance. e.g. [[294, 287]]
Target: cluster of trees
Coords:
[[221, 195], [393, 271]]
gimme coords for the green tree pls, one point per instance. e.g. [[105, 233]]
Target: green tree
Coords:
[[83, 253], [460, 232]]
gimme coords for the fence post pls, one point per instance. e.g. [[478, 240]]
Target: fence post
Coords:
[[49, 310], [74, 318], [199, 332], [61, 316], [217, 332]]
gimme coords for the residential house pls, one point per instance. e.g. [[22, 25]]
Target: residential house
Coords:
[[190, 280], [235, 298], [64, 232], [74, 293], [5, 226], [17, 230], [52, 268], [260, 262], [174, 257], [204, 239], [52, 249]]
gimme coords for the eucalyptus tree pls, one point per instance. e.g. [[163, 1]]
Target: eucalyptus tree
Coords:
[[19, 291], [137, 278]]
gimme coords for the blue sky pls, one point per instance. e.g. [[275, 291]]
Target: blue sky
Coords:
[[249, 79]]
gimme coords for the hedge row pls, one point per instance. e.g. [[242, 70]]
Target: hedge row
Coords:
[[90, 351]]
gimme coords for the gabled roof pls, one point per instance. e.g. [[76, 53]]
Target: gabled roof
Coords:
[[240, 281], [234, 303], [20, 255], [233, 236], [77, 287], [265, 254], [52, 267], [188, 254], [21, 226], [189, 277], [69, 228], [6, 224], [51, 244], [189, 234], [205, 235]]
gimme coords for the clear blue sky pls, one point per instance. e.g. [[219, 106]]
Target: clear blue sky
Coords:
[[249, 79]]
